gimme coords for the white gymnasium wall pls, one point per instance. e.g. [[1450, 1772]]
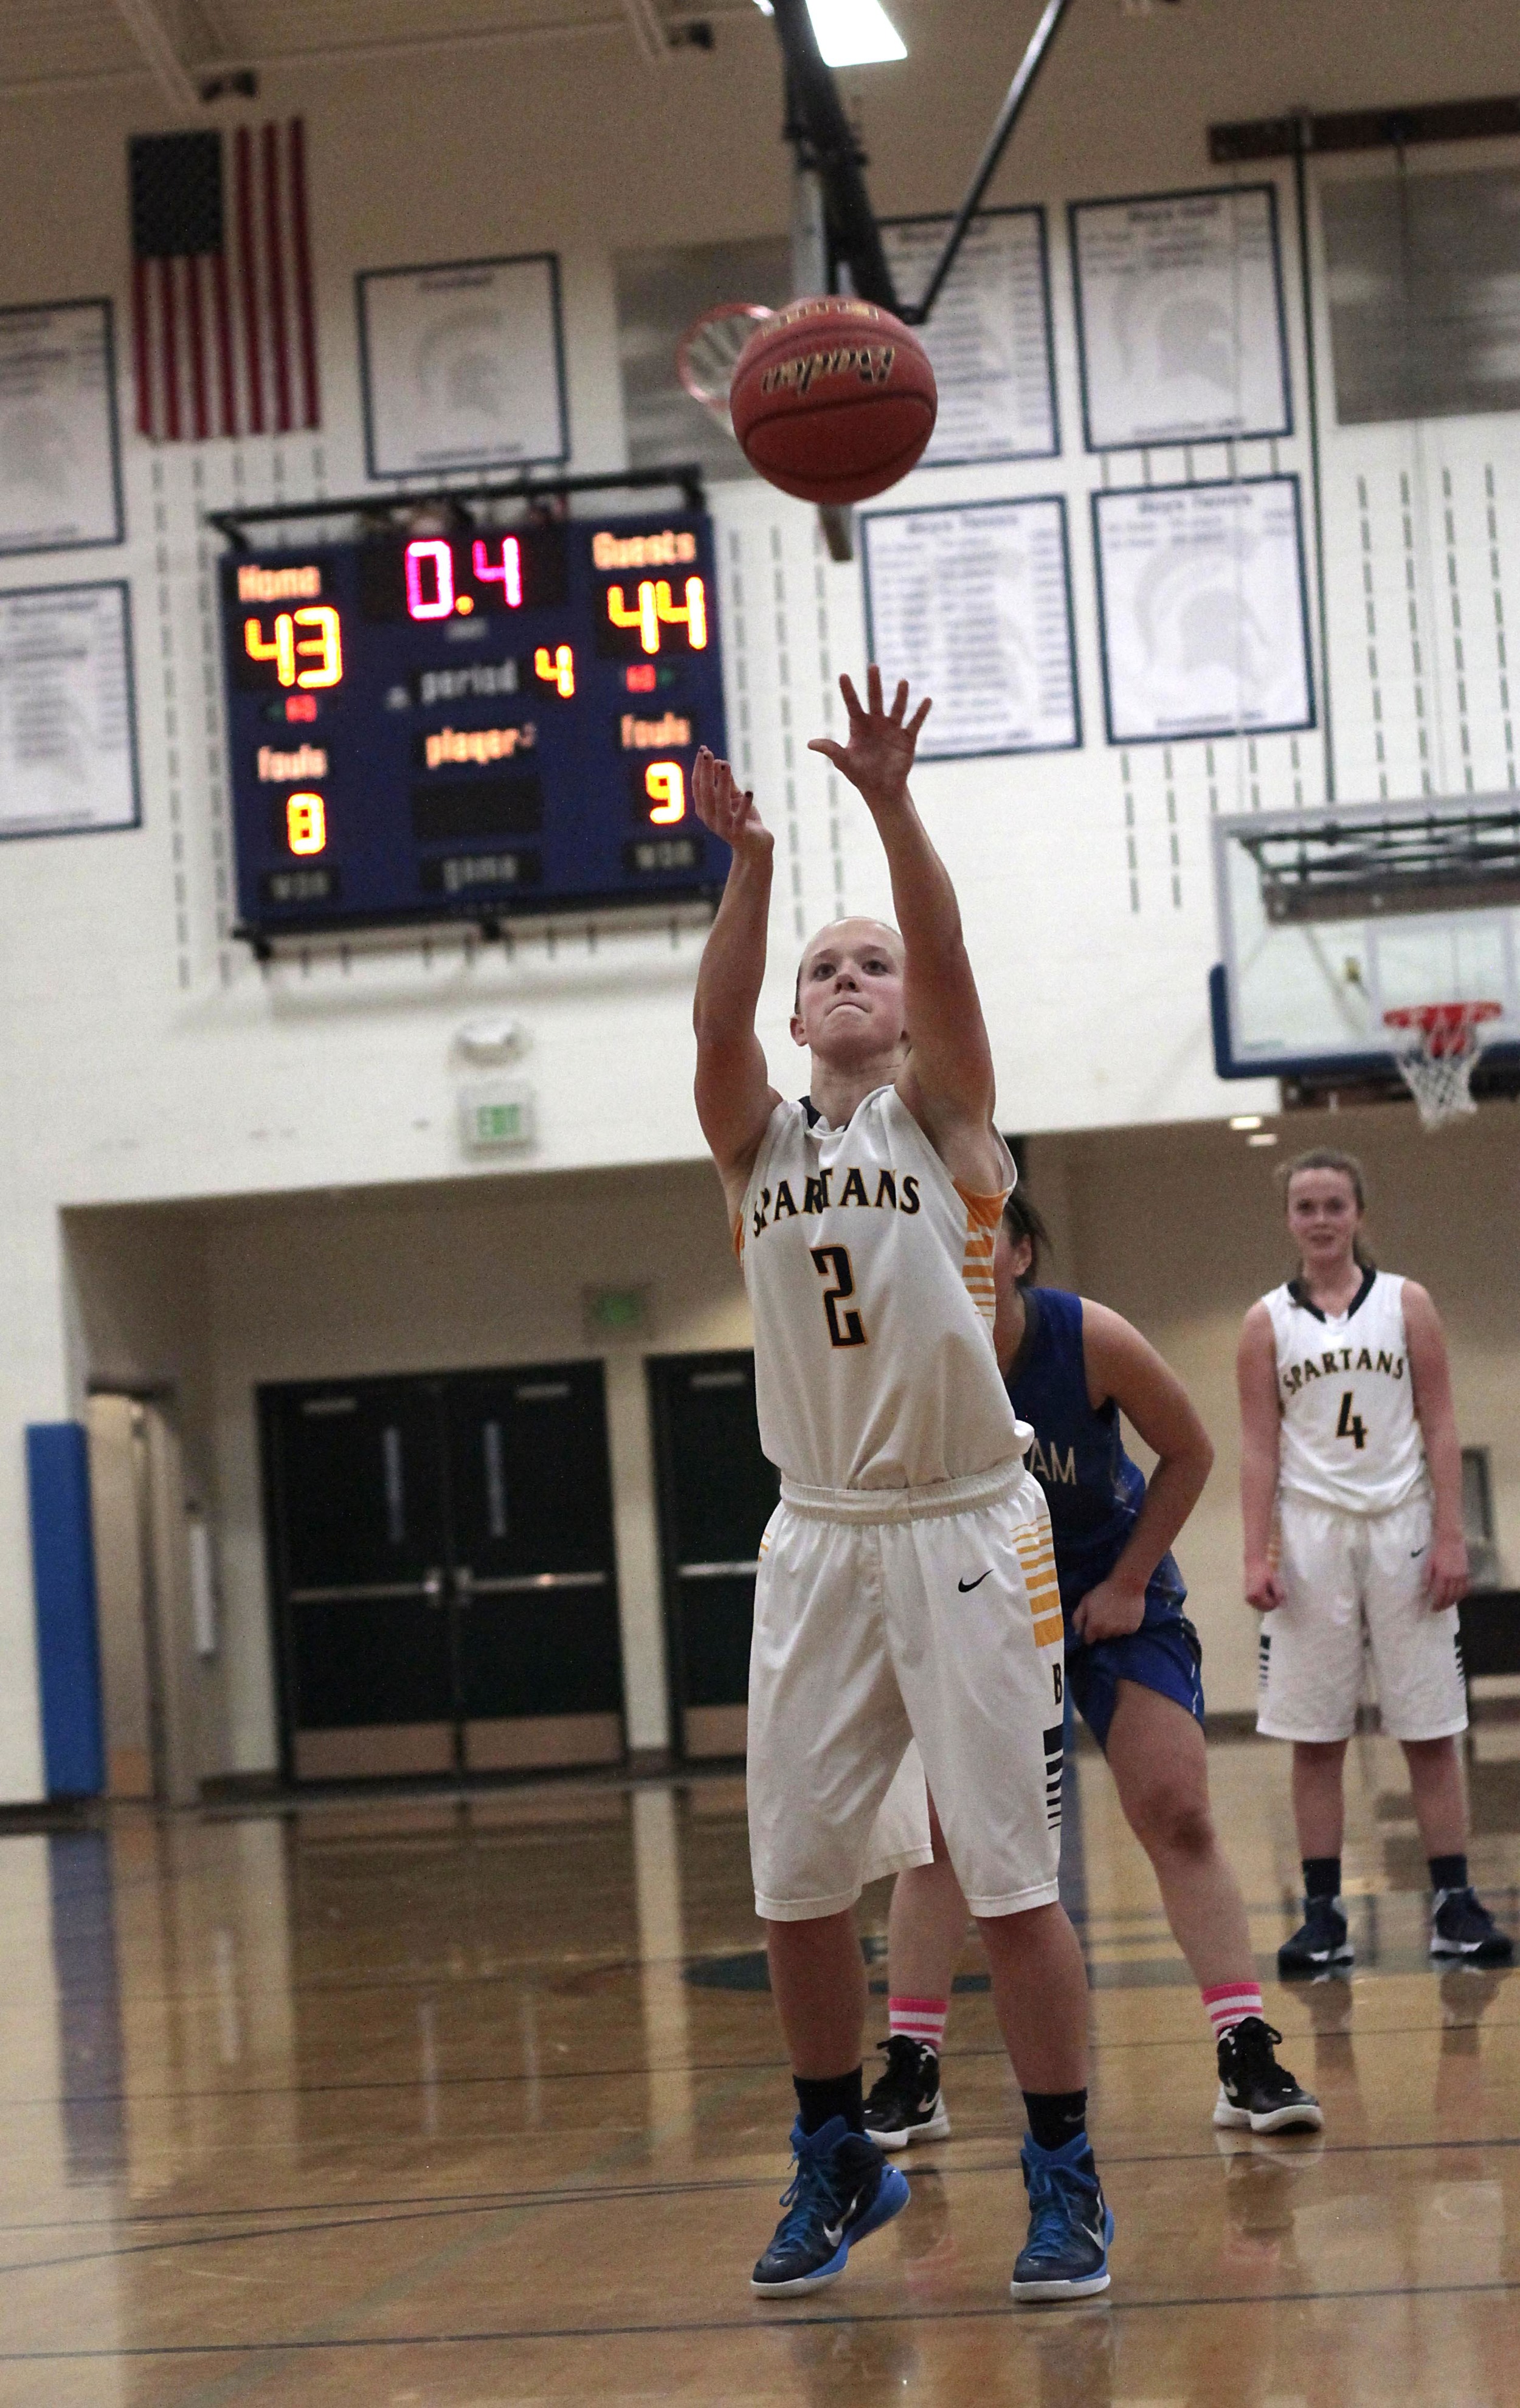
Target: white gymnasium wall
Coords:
[[145, 1057], [459, 1276]]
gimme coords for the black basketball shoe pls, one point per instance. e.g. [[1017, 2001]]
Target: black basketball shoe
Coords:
[[1070, 2224], [843, 2188], [1255, 2089], [1461, 1926], [1321, 1942], [904, 2102]]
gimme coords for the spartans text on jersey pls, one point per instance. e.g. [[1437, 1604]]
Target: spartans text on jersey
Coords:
[[1338, 1359], [768, 1208]]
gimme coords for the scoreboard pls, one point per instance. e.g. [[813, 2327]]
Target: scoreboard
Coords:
[[470, 726]]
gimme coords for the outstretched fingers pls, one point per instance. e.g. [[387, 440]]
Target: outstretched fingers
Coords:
[[705, 786], [874, 705], [881, 742], [721, 803]]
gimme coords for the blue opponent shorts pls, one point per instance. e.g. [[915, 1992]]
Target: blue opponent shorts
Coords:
[[1164, 1653]]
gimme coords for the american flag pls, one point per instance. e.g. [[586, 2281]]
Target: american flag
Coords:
[[223, 323]]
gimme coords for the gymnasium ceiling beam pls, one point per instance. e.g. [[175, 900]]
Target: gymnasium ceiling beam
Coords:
[[648, 30], [151, 34], [217, 58], [1365, 129]]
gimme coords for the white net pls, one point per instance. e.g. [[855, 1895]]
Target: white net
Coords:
[[709, 351], [1436, 1046]]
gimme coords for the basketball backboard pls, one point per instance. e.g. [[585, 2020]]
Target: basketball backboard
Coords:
[[1331, 919]]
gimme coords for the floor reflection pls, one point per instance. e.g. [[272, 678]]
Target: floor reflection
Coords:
[[481, 2100], [92, 2067]]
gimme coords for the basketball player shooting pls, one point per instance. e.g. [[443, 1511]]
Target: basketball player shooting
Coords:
[[906, 1584]]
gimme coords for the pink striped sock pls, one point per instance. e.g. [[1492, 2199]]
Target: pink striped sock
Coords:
[[921, 2019], [1228, 2003]]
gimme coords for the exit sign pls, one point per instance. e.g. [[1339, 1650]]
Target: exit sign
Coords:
[[497, 1117], [616, 1312]]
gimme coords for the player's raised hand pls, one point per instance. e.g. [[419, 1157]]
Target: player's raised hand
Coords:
[[723, 805], [881, 744]]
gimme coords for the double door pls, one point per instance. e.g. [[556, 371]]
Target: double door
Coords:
[[442, 1564], [717, 1493]]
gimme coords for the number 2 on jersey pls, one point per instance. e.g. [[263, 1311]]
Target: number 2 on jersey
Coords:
[[1351, 1424], [844, 1328]]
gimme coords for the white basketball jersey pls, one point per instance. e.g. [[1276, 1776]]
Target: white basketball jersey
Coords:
[[1349, 1435], [870, 1274]]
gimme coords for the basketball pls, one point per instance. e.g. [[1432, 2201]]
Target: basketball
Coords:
[[833, 400]]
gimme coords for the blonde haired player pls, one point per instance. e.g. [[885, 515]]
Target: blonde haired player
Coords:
[[906, 1586], [1349, 1433]]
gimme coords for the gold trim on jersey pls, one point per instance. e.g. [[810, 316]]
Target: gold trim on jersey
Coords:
[[982, 1215]]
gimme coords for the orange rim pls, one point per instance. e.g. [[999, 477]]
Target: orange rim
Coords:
[[1444, 1028], [709, 351]]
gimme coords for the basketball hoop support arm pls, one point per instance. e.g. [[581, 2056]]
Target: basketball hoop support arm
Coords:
[[1008, 117], [824, 139]]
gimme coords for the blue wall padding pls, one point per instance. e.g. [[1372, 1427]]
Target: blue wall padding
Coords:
[[64, 1582]]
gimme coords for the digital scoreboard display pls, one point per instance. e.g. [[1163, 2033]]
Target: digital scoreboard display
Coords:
[[472, 725]]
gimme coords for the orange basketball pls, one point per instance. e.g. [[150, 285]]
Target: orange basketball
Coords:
[[833, 400]]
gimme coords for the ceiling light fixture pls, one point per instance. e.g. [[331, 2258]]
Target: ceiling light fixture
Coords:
[[1245, 1121], [851, 33], [1263, 1137]]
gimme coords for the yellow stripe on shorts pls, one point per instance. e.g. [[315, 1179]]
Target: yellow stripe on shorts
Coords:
[[1036, 1551]]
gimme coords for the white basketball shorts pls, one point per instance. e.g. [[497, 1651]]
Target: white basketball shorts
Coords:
[[900, 1836], [883, 1613], [1355, 1580]]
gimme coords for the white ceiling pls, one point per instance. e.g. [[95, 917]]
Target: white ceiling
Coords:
[[51, 46]]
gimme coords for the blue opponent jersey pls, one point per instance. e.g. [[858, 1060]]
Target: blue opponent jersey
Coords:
[[1093, 1488]]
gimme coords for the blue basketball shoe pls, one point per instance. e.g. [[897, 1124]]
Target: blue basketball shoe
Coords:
[[843, 2188], [1070, 2224]]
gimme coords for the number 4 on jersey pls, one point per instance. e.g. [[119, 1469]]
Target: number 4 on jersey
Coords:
[[1351, 1424]]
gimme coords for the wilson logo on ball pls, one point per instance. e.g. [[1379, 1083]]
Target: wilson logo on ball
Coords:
[[870, 365]]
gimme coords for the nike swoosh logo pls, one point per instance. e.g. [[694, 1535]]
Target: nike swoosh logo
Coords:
[[966, 1586], [834, 2234], [1414, 1551]]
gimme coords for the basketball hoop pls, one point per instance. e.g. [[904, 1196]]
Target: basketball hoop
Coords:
[[707, 353], [1436, 1046]]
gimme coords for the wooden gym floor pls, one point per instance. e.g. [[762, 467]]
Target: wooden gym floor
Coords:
[[440, 2104]]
